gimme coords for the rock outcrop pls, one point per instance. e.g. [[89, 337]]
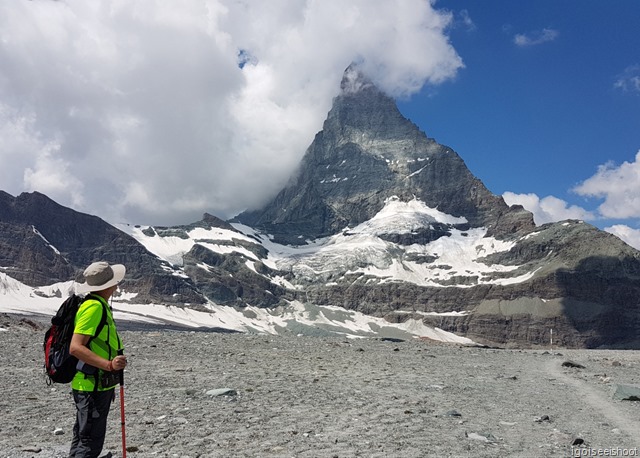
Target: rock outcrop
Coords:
[[42, 242]]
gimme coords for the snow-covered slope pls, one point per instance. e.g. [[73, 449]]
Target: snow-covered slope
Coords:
[[410, 270], [295, 318], [364, 251], [358, 250]]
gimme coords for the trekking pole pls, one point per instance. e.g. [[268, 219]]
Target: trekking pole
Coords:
[[122, 422]]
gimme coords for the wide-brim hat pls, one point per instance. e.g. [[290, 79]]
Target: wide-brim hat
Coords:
[[100, 276]]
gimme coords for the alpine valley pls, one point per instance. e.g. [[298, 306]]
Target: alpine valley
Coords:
[[381, 232]]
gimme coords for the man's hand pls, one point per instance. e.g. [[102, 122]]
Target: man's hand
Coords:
[[119, 362]]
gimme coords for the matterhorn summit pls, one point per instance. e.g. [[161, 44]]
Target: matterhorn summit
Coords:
[[366, 154]]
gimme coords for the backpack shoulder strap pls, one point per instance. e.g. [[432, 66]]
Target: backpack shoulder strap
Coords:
[[102, 323]]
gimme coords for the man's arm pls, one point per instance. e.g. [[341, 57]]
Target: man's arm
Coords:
[[79, 349]]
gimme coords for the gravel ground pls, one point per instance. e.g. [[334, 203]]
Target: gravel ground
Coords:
[[328, 397]]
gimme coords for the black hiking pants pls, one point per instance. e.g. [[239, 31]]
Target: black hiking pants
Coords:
[[91, 422]]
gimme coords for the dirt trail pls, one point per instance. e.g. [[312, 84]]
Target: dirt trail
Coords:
[[612, 411]]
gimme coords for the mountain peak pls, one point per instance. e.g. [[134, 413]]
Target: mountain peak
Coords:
[[366, 153], [354, 80]]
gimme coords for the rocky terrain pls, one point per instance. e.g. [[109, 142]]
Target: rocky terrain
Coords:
[[192, 394]]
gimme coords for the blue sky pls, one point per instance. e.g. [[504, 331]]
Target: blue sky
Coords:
[[162, 111], [540, 113]]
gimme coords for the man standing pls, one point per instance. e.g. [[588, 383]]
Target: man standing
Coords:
[[99, 352]]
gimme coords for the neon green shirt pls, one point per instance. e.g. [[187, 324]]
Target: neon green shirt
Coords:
[[106, 344]]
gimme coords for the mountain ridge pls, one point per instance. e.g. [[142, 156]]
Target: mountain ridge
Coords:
[[380, 220]]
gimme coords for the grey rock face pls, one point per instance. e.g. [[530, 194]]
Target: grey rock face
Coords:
[[366, 153], [42, 243], [229, 281]]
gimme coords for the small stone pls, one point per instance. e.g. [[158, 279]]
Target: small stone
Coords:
[[572, 364], [221, 392], [58, 432], [483, 437], [627, 393], [577, 441], [31, 449], [453, 413], [542, 419], [435, 387]]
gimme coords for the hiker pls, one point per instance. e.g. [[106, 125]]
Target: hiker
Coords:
[[100, 359]]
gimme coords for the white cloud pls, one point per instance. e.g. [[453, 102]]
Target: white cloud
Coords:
[[629, 80], [466, 21], [548, 209], [146, 105], [536, 38], [629, 235], [619, 186]]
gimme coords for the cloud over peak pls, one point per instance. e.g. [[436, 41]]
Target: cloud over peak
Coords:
[[162, 110]]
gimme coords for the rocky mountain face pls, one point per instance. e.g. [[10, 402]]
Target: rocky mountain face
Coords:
[[214, 256], [379, 219], [42, 242], [570, 277], [366, 153]]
